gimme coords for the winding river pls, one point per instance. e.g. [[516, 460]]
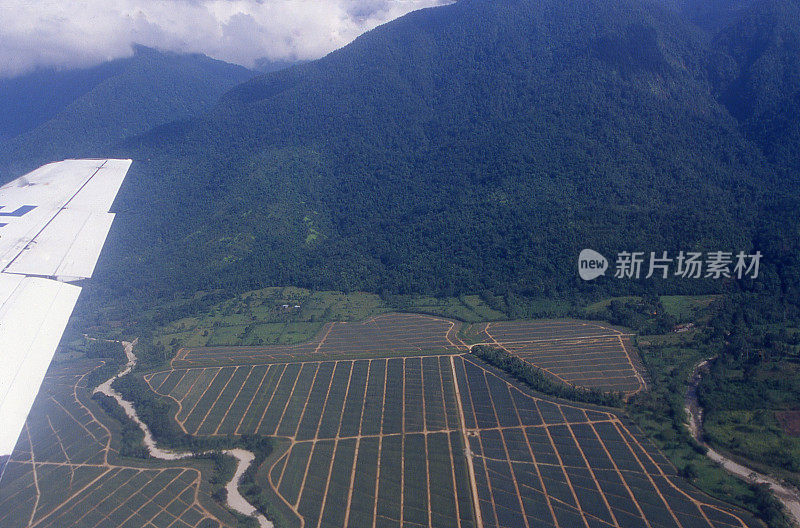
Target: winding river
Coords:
[[788, 496], [244, 458]]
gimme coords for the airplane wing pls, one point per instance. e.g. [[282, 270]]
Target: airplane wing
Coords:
[[53, 223]]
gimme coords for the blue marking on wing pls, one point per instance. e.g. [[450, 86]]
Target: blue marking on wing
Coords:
[[20, 211]]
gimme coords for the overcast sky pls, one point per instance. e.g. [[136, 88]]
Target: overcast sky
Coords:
[[70, 33]]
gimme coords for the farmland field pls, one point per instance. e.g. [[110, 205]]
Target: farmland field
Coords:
[[574, 352], [580, 353], [65, 471], [540, 462], [386, 423], [384, 334], [373, 439]]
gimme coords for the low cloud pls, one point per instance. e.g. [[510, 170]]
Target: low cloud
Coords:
[[77, 33]]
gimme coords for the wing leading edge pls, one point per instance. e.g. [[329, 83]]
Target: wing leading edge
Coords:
[[53, 223]]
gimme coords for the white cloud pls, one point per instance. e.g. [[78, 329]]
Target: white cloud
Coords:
[[69, 33]]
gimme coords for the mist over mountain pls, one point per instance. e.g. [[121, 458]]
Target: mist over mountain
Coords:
[[49, 115]]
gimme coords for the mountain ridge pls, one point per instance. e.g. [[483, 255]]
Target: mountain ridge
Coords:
[[95, 108]]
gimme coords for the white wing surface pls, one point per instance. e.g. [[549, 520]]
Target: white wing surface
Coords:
[[53, 223]]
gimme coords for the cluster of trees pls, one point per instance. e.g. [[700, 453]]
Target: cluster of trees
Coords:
[[104, 349], [131, 435], [645, 315], [155, 412], [255, 493], [755, 375], [113, 356]]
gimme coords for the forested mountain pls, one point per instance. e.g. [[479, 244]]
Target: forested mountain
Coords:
[[475, 146], [49, 115]]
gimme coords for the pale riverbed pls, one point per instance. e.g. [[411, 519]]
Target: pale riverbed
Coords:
[[243, 457], [788, 496]]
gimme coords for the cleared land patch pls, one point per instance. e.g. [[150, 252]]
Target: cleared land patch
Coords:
[[64, 471], [576, 352]]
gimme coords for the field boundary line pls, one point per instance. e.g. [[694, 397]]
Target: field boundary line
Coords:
[[639, 377], [524, 430], [275, 487], [346, 394], [288, 400], [152, 499], [321, 341], [63, 450], [325, 403], [467, 450], [272, 395], [315, 440], [698, 503], [554, 339], [403, 446], [118, 506], [308, 397], [105, 498], [35, 476], [327, 482], [618, 471], [71, 497], [188, 414], [380, 447], [169, 372], [589, 466], [352, 485], [305, 477], [649, 476], [215, 400], [364, 399], [76, 420], [449, 445]]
